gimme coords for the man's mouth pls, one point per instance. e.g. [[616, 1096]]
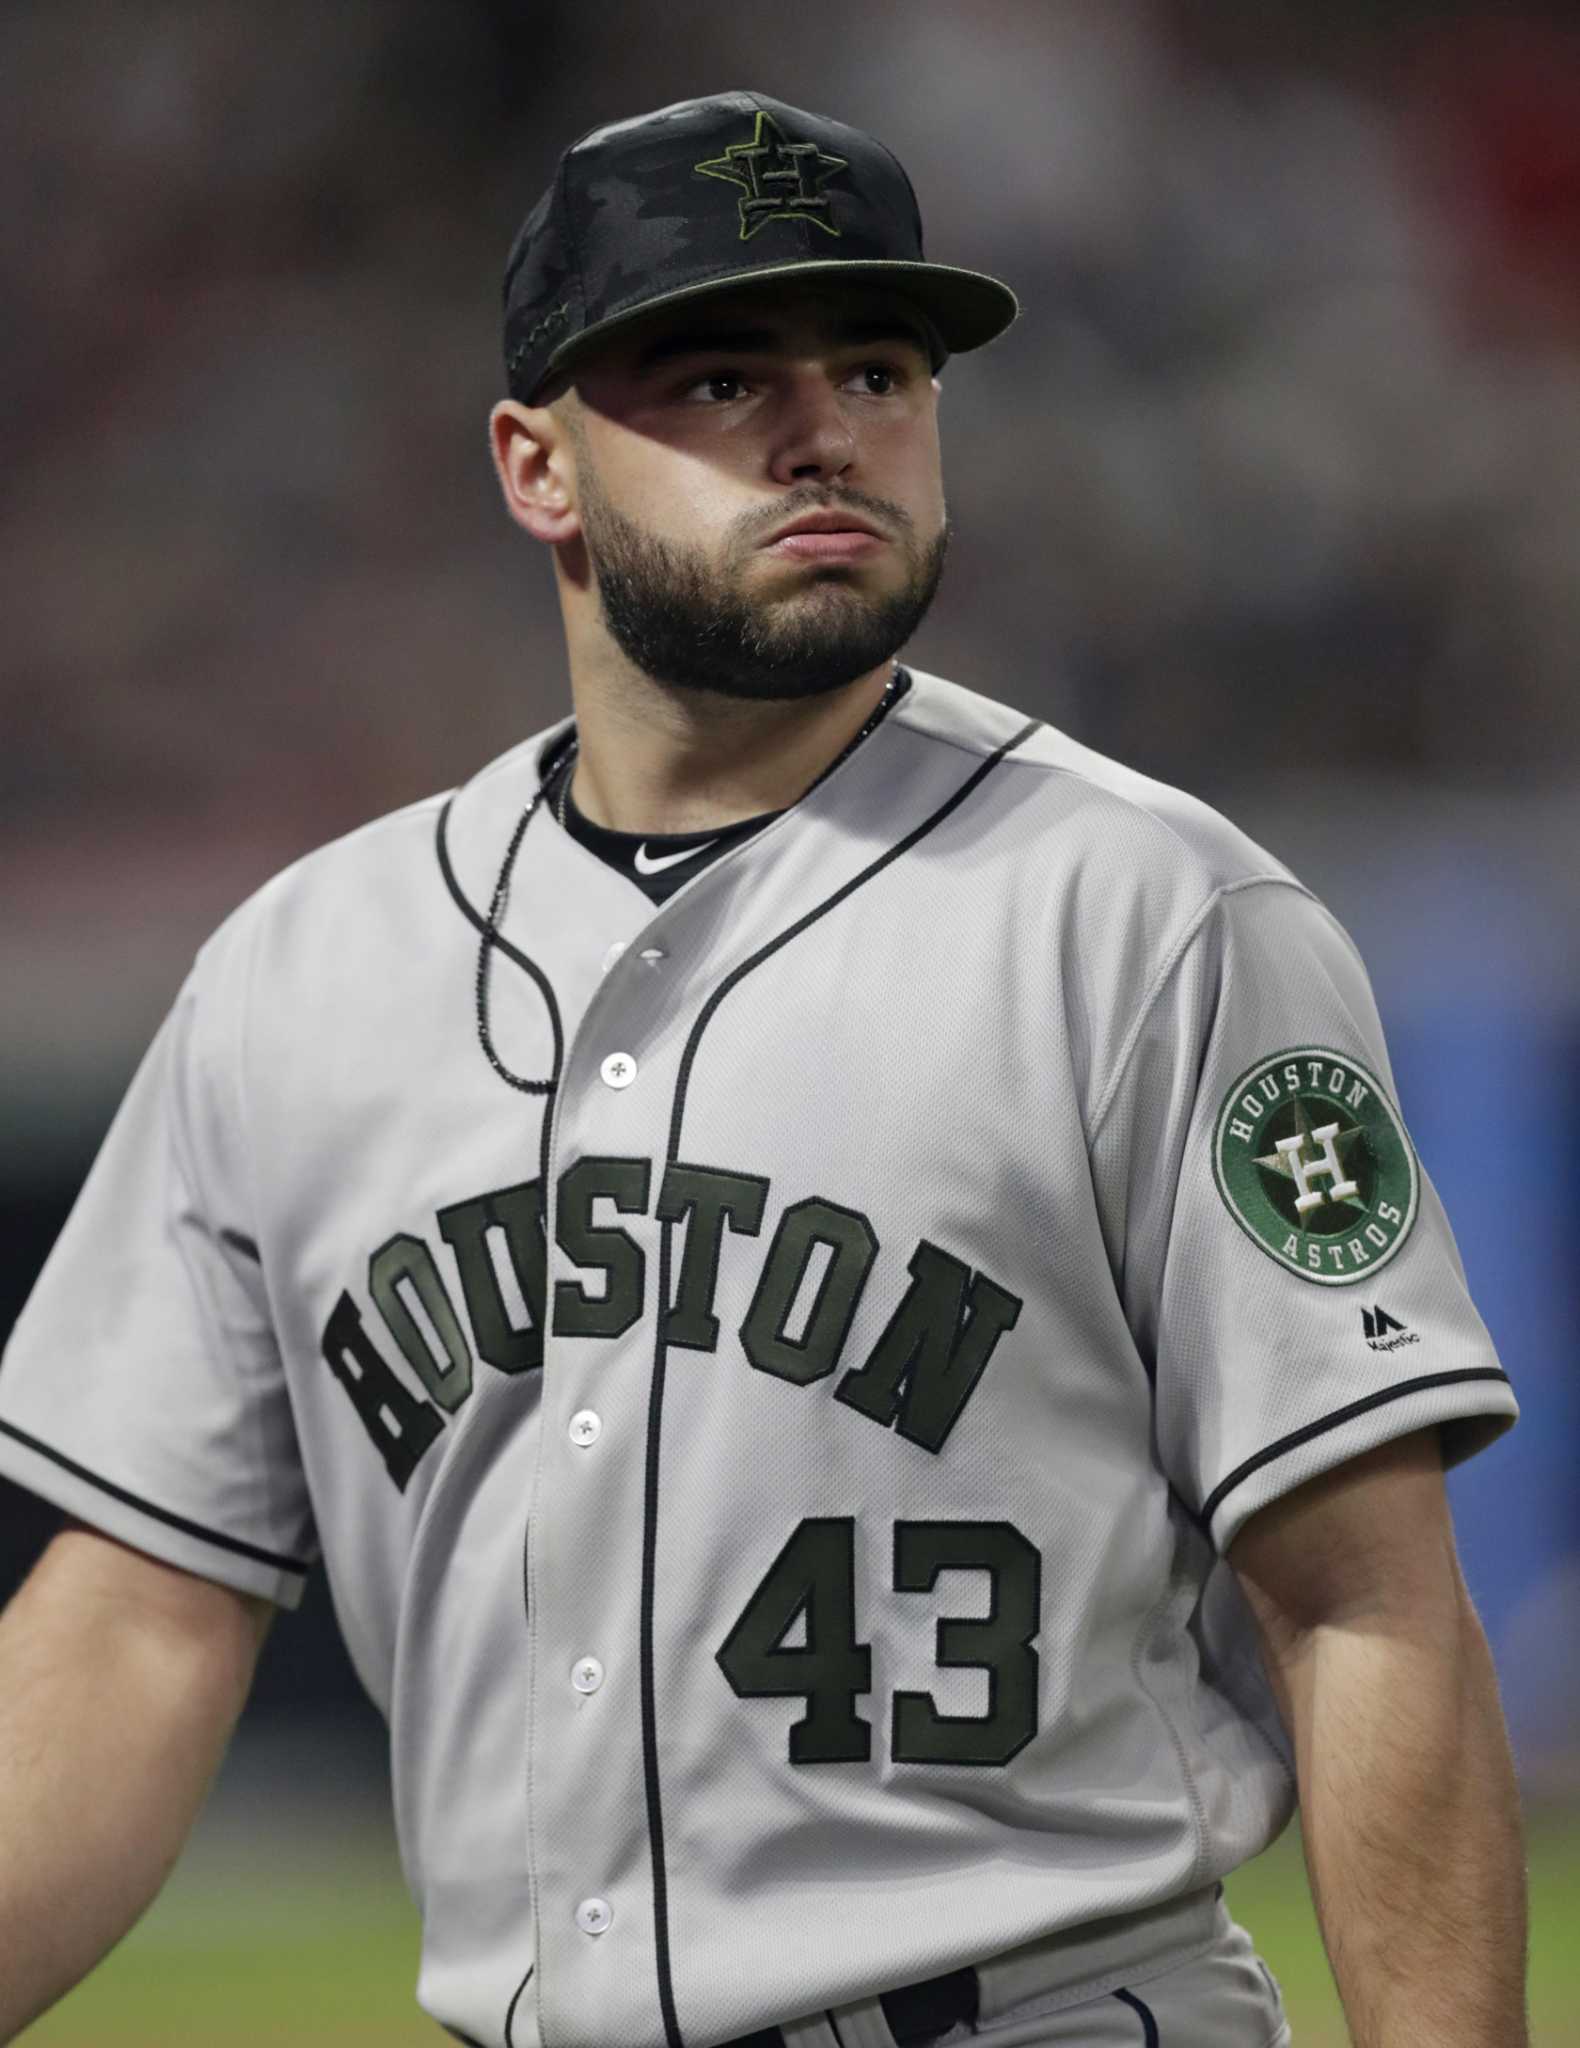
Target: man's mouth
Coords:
[[843, 544]]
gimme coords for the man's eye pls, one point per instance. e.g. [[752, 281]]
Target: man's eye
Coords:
[[719, 388], [881, 379]]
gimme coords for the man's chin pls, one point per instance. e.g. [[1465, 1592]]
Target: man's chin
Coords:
[[836, 592], [789, 666]]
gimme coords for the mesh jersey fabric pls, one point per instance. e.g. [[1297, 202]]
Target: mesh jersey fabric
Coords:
[[903, 1111]]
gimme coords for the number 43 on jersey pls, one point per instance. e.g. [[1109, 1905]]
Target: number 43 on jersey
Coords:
[[813, 1580]]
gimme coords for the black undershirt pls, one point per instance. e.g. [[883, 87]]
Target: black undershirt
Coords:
[[676, 856]]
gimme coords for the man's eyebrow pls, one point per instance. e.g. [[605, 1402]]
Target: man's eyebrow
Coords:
[[733, 341], [886, 327], [729, 341]]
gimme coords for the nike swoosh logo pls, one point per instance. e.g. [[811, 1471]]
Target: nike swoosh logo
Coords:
[[655, 863]]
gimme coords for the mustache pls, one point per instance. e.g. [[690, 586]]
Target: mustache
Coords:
[[756, 526]]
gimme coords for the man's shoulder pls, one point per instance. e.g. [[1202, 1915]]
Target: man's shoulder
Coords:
[[1086, 806], [388, 871]]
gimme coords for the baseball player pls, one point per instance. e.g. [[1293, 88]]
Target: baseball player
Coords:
[[835, 1281]]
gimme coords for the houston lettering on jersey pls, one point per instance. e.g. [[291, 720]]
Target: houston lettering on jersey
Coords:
[[917, 1378]]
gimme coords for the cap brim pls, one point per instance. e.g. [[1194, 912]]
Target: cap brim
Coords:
[[966, 307]]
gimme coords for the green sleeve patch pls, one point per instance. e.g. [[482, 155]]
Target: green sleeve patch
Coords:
[[1315, 1166]]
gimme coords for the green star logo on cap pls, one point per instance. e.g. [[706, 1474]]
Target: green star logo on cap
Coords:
[[779, 179], [1314, 1164]]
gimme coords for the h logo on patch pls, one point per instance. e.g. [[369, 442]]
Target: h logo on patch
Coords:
[[779, 179], [1315, 1166]]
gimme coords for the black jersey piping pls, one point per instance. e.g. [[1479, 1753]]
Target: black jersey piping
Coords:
[[1149, 2025], [655, 1406], [550, 1099], [1339, 1416], [510, 2016], [158, 1514], [475, 917]]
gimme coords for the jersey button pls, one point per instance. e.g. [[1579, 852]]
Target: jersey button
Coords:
[[614, 953], [594, 1916], [586, 1674], [619, 1070], [586, 1428]]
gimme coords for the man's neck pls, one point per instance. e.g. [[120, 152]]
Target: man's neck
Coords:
[[652, 761]]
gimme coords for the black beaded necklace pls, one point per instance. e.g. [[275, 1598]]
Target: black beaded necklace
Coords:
[[563, 765]]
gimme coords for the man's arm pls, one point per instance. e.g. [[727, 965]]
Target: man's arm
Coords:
[[120, 1682], [1408, 1801]]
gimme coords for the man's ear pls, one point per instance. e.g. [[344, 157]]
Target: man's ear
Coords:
[[535, 461]]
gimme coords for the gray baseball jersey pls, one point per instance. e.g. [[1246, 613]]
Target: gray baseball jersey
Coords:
[[774, 1474]]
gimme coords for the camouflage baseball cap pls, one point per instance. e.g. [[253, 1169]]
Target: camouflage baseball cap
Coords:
[[711, 194]]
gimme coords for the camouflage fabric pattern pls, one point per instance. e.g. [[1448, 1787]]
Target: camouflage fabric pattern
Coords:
[[714, 192]]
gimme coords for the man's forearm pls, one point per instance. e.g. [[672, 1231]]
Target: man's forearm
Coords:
[[114, 1713], [1412, 1829]]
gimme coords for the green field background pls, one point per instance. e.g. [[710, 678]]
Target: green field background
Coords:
[[304, 1936]]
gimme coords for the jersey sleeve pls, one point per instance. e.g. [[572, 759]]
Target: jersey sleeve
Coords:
[[1284, 1262], [142, 1389]]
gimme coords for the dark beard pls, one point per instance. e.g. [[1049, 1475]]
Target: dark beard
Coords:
[[667, 612]]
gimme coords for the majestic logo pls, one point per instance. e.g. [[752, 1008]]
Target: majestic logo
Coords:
[[1384, 1332], [1314, 1164], [779, 179]]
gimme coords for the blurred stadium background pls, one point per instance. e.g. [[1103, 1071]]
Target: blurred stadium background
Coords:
[[1274, 491]]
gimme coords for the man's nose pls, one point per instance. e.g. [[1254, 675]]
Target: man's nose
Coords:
[[815, 439]]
